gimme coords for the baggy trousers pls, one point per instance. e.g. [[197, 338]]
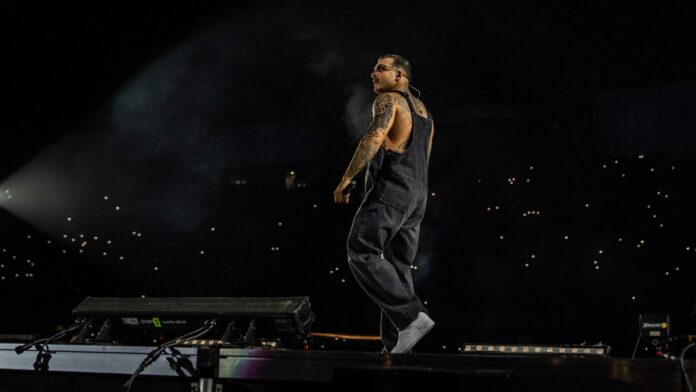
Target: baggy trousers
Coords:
[[382, 245]]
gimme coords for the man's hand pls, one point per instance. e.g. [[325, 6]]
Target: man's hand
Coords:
[[339, 197]]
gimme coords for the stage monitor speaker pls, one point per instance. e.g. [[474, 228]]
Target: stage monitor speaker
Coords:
[[242, 321]]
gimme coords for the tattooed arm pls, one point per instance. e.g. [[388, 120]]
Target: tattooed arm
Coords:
[[383, 111]]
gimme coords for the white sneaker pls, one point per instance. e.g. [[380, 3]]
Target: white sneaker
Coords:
[[409, 336]]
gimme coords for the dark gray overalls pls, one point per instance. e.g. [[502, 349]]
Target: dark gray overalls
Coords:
[[384, 236]]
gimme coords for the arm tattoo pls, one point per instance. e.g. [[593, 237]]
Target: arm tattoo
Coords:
[[383, 112], [364, 153], [368, 147]]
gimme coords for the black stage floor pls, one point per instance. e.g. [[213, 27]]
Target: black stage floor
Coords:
[[105, 368]]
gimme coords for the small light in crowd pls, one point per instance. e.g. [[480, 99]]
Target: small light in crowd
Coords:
[[280, 223], [315, 206], [343, 281], [676, 268], [336, 268], [600, 251], [202, 252], [104, 253], [106, 197], [82, 236], [48, 242], [118, 208], [69, 219], [667, 273], [623, 175], [432, 194], [212, 229], [531, 168], [633, 297], [565, 237], [620, 239], [616, 161], [596, 267], [120, 257], [108, 242], [156, 268], [29, 237], [595, 262], [526, 264], [652, 169], [502, 237], [641, 156], [95, 238], [331, 271], [587, 205]]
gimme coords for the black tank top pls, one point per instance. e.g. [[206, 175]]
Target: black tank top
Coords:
[[397, 174]]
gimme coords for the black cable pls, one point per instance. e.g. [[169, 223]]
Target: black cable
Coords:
[[683, 367], [151, 357], [45, 341], [636, 348], [43, 355], [418, 91]]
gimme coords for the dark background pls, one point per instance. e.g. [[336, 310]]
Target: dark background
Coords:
[[192, 150]]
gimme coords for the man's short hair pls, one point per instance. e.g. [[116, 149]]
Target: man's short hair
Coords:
[[400, 62]]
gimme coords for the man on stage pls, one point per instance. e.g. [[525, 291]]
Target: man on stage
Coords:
[[383, 239]]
